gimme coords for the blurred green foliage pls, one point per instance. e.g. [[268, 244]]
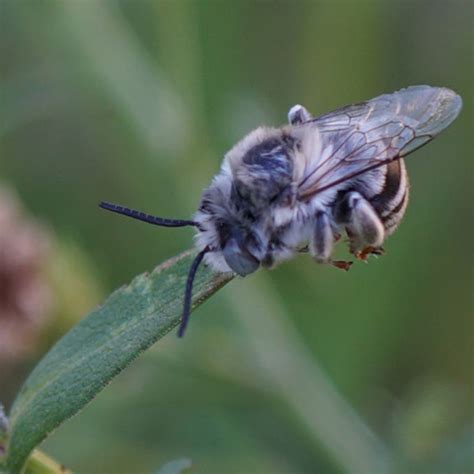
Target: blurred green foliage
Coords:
[[136, 102]]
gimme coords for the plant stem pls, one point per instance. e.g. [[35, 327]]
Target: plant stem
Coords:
[[41, 463]]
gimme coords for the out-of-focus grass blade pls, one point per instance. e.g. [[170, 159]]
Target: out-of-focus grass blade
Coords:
[[98, 348]]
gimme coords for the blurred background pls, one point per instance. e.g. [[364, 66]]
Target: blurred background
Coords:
[[304, 369]]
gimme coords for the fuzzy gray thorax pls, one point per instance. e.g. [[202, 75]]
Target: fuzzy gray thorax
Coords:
[[250, 204]]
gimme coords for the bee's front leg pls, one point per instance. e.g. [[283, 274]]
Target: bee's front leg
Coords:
[[322, 242], [364, 228]]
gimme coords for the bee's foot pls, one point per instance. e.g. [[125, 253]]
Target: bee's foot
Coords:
[[342, 264], [364, 253], [378, 251]]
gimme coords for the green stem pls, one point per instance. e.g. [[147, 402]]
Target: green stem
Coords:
[[41, 463]]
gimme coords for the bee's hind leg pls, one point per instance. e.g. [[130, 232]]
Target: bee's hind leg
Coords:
[[364, 228], [322, 242]]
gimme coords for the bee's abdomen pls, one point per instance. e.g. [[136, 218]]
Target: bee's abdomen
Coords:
[[390, 204]]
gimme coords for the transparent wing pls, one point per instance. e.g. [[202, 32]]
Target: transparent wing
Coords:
[[361, 137]]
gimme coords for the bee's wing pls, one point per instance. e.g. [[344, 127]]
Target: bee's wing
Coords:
[[364, 136]]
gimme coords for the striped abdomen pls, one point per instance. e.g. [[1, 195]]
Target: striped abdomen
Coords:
[[390, 204]]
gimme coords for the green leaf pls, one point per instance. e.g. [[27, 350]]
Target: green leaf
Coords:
[[86, 359], [177, 466]]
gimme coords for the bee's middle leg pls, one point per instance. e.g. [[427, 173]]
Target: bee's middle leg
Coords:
[[364, 228], [322, 242]]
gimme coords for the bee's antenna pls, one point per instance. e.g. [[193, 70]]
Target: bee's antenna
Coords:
[[188, 293], [141, 216]]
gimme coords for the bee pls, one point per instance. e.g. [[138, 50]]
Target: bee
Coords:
[[299, 187]]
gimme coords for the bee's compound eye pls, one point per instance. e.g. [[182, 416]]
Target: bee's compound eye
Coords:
[[238, 259]]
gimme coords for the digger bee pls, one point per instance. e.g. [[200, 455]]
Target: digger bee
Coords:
[[301, 186]]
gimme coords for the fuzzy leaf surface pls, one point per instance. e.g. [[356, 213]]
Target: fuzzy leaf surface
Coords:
[[98, 348]]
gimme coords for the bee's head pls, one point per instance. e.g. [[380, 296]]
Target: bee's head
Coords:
[[228, 229]]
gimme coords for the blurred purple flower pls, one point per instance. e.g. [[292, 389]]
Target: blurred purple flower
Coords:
[[25, 296]]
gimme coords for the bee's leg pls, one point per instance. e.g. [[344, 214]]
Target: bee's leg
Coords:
[[342, 264], [322, 242], [364, 228], [298, 114]]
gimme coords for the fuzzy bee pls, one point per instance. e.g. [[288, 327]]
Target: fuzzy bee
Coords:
[[299, 187]]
